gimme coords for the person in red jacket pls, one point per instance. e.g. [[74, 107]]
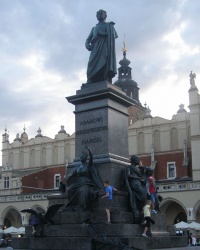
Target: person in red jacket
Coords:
[[152, 192]]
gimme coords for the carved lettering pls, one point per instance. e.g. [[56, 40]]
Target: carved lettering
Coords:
[[91, 121], [90, 130], [91, 141]]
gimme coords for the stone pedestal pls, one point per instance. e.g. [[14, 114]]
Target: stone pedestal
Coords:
[[101, 121]]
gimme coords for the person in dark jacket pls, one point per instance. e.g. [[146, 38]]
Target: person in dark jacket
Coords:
[[34, 222]]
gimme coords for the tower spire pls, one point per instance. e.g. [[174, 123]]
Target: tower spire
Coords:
[[125, 81], [124, 49]]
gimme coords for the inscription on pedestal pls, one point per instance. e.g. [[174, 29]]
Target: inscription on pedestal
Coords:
[[91, 133], [89, 121]]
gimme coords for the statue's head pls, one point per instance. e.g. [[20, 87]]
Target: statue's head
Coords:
[[84, 156], [101, 15], [135, 160]]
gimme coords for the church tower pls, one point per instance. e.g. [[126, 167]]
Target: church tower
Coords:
[[130, 87]]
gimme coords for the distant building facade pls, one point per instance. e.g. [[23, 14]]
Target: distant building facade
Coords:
[[173, 146], [31, 170]]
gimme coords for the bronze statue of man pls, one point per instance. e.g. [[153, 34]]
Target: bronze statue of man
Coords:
[[101, 43]]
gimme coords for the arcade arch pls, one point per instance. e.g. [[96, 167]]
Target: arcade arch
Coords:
[[11, 217], [39, 208], [174, 211], [196, 212]]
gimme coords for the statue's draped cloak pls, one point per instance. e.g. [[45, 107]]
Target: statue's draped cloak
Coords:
[[136, 187], [83, 187]]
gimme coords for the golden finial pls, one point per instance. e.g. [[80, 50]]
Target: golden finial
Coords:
[[124, 49]]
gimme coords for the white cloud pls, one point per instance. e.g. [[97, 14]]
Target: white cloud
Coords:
[[177, 46]]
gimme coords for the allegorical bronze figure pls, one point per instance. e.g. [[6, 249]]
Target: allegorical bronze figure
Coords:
[[101, 43], [135, 184], [83, 184]]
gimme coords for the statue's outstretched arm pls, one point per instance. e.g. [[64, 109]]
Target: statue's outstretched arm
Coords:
[[90, 163], [72, 173]]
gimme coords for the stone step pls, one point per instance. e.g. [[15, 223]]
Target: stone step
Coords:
[[156, 242], [84, 230], [159, 233], [87, 243], [99, 216], [52, 243], [68, 217]]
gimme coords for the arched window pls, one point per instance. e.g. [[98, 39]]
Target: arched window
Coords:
[[55, 155], [43, 158], [157, 140], [67, 151], [21, 159], [174, 139], [140, 143], [32, 158], [189, 136], [10, 160]]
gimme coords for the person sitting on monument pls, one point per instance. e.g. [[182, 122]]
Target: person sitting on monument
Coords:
[[147, 172], [101, 43], [147, 218], [152, 192], [34, 221], [108, 196], [135, 184], [83, 184]]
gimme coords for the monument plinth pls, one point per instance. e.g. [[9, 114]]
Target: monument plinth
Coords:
[[101, 123], [101, 120]]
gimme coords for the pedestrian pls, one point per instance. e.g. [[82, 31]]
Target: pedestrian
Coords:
[[190, 239], [152, 192], [34, 222], [147, 216], [108, 197], [194, 241]]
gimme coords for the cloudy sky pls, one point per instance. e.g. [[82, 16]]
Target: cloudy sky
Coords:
[[43, 57]]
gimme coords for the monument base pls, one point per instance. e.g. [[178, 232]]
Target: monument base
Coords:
[[73, 231]]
